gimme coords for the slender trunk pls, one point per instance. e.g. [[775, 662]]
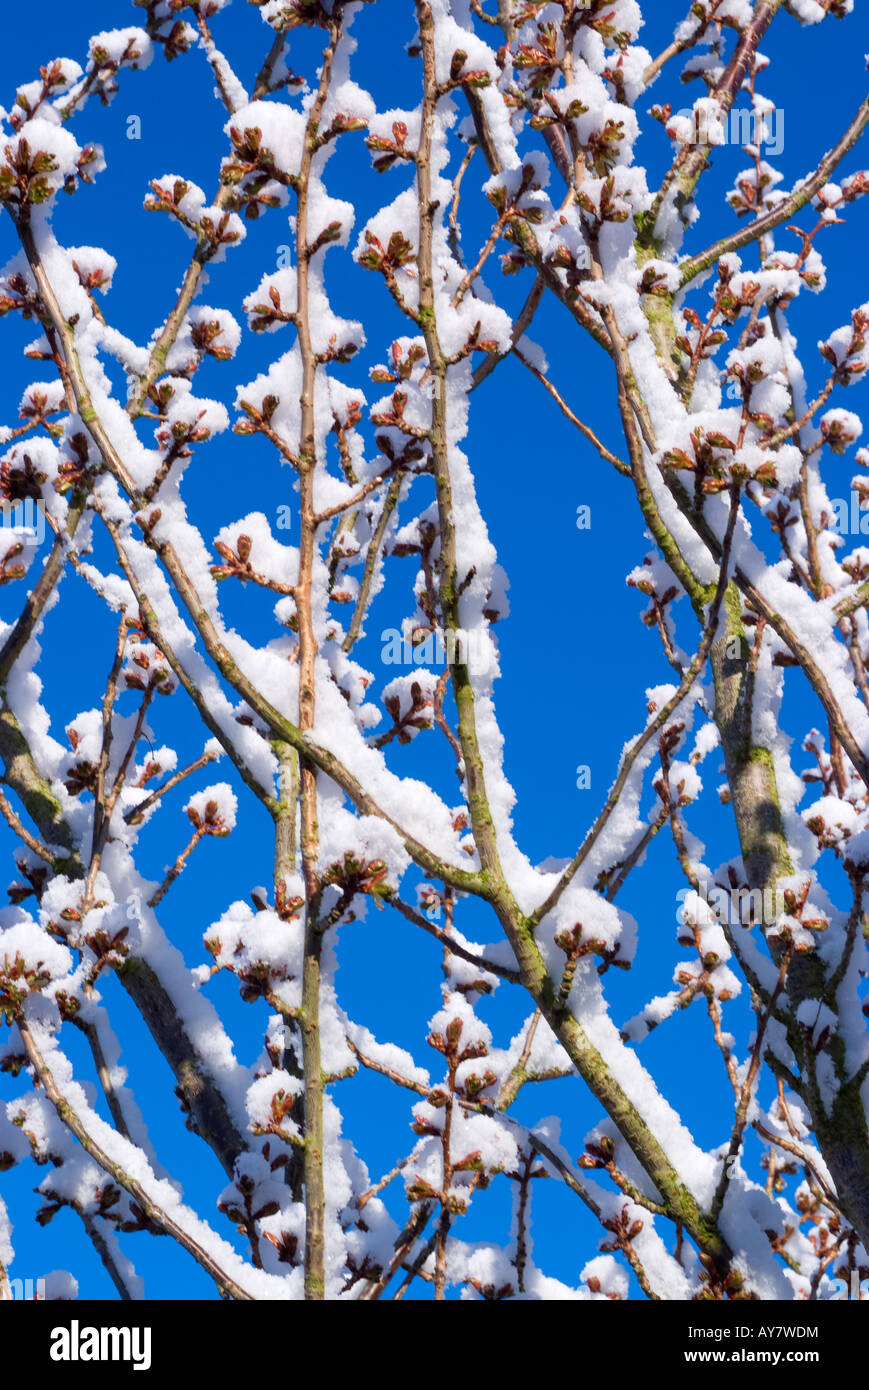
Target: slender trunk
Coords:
[[315, 1195]]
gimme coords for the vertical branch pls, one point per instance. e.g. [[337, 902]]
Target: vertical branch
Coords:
[[390, 502], [520, 1259], [444, 1222], [315, 1191], [750, 769], [285, 864], [285, 814], [105, 754], [747, 1089], [449, 583], [315, 1194]]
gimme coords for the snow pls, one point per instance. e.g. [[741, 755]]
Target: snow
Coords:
[[229, 82], [275, 292], [840, 428], [6, 1251], [215, 805], [407, 695], [281, 128], [811, 12], [269, 1096], [389, 1055], [267, 556], [61, 1285], [41, 136], [604, 1276], [94, 265], [242, 936], [25, 948], [110, 46]]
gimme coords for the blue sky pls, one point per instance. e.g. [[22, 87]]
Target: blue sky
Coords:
[[573, 643]]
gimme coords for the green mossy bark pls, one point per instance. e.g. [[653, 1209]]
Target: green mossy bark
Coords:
[[750, 769]]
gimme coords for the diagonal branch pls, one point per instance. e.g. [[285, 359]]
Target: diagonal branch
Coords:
[[68, 1115], [783, 211]]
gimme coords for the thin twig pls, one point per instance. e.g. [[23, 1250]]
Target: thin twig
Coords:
[[605, 453], [135, 812]]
